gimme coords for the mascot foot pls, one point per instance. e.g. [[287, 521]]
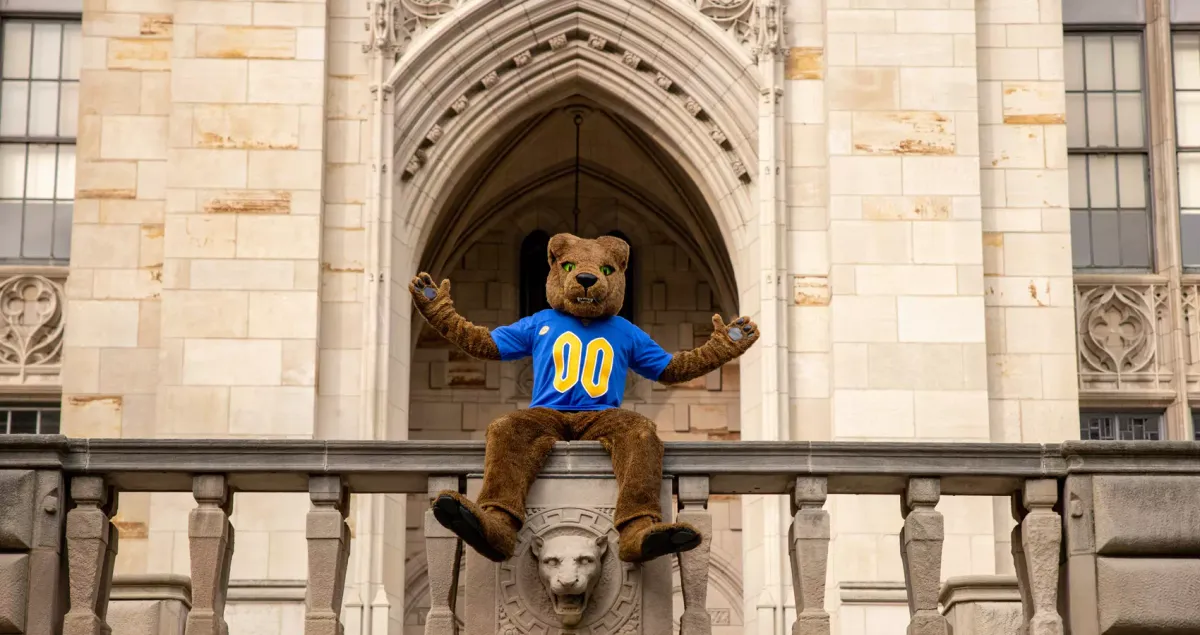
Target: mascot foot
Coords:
[[643, 540], [491, 533]]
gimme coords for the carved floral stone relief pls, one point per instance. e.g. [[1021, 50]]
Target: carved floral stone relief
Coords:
[[1123, 334], [736, 17], [1191, 334], [31, 325], [489, 80]]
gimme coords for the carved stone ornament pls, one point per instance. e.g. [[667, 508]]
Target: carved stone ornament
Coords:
[[662, 81], [1191, 334], [631, 60], [394, 23], [532, 601], [558, 42], [693, 107], [718, 136], [739, 169], [434, 134], [1119, 329], [31, 325], [597, 42], [523, 59], [768, 29], [734, 16], [415, 163], [491, 79], [460, 105]]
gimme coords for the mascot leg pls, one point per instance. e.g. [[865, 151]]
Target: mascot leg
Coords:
[[517, 446], [637, 455]]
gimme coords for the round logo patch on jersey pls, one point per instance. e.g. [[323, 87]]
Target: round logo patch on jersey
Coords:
[[545, 330]]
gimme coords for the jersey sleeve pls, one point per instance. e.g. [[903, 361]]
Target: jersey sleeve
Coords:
[[515, 340], [646, 357]]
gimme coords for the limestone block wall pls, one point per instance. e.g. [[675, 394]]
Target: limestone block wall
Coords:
[[218, 245]]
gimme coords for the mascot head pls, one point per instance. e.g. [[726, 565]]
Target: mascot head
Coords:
[[587, 277]]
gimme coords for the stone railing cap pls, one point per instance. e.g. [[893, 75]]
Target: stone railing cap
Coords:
[[979, 588], [152, 586]]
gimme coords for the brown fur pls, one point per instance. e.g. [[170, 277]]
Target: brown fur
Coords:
[[519, 442]]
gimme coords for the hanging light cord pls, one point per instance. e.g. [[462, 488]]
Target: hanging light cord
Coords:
[[575, 211]]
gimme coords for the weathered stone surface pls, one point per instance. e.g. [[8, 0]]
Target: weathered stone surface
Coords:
[[1135, 515], [17, 489], [149, 604], [1148, 595], [982, 605], [14, 591]]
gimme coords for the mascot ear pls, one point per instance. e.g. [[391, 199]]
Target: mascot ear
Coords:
[[536, 546], [602, 544], [558, 244], [617, 249]]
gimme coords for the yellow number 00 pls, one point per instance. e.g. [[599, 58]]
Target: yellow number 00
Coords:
[[566, 364]]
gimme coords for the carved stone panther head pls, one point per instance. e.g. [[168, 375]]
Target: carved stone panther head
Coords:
[[570, 566]]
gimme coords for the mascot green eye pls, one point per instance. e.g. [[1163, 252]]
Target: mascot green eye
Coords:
[[606, 270], [568, 267]]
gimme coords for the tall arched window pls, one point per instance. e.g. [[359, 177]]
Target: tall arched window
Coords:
[[627, 309], [534, 269]]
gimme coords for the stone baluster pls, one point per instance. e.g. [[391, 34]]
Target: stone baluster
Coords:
[[1018, 553], [921, 553], [693, 565], [440, 544], [328, 554], [91, 550], [808, 546], [1041, 541], [210, 538]]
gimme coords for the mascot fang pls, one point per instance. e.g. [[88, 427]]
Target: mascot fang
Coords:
[[581, 351]]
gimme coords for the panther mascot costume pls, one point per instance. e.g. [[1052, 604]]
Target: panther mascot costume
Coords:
[[581, 351]]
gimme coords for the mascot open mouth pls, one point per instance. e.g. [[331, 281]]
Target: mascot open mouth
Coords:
[[585, 300], [570, 604]]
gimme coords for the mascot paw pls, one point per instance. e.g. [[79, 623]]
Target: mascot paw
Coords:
[[424, 291], [742, 332], [643, 540], [491, 533]]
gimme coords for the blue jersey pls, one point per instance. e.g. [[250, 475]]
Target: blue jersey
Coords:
[[579, 366]]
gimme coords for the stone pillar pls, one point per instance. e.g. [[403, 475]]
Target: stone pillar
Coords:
[[921, 552], [211, 538], [91, 550], [328, 552], [1041, 541], [693, 565], [809, 550], [567, 517], [149, 604]]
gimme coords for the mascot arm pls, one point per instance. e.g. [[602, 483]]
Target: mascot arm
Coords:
[[728, 342], [434, 303]]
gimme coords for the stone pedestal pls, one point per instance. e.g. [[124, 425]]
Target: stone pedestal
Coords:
[[982, 605], [573, 516], [149, 604]]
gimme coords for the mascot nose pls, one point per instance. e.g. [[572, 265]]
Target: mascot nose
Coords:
[[587, 280]]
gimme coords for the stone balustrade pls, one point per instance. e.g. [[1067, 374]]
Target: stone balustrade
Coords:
[[40, 477]]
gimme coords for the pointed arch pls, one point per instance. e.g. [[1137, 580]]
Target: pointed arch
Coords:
[[475, 76]]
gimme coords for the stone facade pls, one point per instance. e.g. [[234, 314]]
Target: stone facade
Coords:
[[882, 184]]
